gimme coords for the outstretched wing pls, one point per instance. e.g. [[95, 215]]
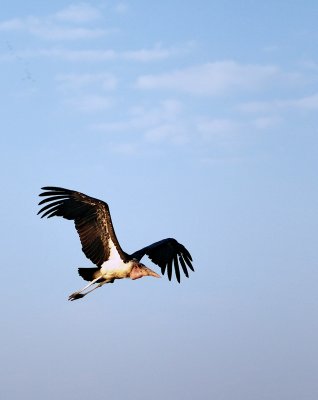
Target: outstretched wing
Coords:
[[167, 253], [92, 221]]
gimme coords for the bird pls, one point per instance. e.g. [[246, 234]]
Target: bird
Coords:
[[99, 242]]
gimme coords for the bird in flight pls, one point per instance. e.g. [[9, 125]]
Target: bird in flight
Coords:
[[99, 242]]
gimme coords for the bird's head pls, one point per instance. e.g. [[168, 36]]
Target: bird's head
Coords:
[[139, 270]]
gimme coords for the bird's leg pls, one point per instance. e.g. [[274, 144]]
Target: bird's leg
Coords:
[[78, 294]]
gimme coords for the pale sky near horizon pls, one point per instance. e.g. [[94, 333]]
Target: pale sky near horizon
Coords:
[[194, 120]]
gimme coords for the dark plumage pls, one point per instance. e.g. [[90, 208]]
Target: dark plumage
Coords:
[[99, 242]]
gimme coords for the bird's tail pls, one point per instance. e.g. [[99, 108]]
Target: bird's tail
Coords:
[[88, 274]]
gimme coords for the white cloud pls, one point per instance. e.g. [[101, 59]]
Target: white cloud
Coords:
[[129, 149], [144, 118], [167, 132], [73, 55], [12, 24], [54, 32], [212, 78], [93, 55], [225, 130], [121, 8], [77, 13], [211, 127], [224, 159], [59, 26], [303, 103], [271, 48], [265, 122], [157, 52], [77, 81], [255, 106], [309, 65], [89, 103], [145, 55], [170, 123], [163, 123]]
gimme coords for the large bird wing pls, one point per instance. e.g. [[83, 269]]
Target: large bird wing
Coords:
[[167, 253], [92, 221]]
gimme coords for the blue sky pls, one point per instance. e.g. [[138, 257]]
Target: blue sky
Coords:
[[195, 120]]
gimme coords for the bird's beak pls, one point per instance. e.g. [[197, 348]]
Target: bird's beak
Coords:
[[139, 272], [150, 272]]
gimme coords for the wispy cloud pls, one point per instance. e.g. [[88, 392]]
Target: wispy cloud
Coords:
[[268, 122], [78, 13], [53, 32], [157, 124], [46, 29], [76, 81], [85, 92], [227, 130], [211, 127], [175, 133], [89, 103], [79, 22], [121, 8], [170, 123], [167, 121], [63, 25], [12, 24], [67, 54], [303, 103], [153, 54], [145, 118], [212, 78], [126, 149]]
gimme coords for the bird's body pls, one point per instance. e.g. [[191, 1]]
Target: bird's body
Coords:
[[113, 269], [99, 242]]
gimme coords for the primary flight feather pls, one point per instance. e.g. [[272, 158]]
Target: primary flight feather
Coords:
[[99, 242]]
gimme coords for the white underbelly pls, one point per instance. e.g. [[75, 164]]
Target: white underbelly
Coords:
[[114, 269]]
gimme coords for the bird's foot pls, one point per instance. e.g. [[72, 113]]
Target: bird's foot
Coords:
[[75, 296]]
